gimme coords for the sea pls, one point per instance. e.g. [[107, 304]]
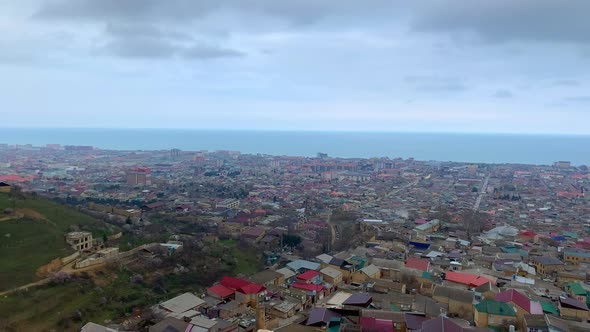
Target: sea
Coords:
[[459, 147]]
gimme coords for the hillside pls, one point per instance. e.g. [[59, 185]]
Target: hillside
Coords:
[[33, 234]]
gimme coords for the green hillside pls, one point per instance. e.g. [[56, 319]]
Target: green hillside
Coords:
[[37, 238]]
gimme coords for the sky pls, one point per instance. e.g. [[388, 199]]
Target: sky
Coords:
[[481, 66]]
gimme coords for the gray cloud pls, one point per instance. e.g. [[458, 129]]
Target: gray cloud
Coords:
[[503, 93], [435, 83], [508, 20], [152, 42], [300, 11], [154, 48], [202, 51]]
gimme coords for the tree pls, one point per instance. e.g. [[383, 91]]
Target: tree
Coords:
[[291, 240]]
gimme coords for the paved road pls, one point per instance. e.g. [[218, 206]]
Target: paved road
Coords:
[[482, 192]]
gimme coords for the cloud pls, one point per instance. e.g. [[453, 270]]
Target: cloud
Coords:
[[435, 83], [296, 12], [503, 93], [566, 82], [578, 99], [507, 20], [149, 41]]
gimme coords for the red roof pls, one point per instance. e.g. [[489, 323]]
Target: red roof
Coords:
[[251, 289], [233, 283], [220, 290], [512, 295], [308, 275], [528, 233], [418, 264], [469, 279], [308, 287], [14, 178]]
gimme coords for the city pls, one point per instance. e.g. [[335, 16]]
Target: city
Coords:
[[224, 241]]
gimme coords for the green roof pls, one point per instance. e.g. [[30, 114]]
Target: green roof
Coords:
[[393, 307], [427, 275], [334, 325], [573, 235], [576, 288], [549, 308], [495, 308]]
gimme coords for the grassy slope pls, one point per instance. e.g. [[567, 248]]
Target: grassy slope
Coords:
[[51, 307], [27, 244]]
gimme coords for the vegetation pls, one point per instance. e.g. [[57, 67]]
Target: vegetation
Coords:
[[38, 237]]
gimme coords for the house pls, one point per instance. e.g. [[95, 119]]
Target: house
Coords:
[[535, 323], [519, 301], [358, 300], [253, 234], [459, 301], [220, 292], [576, 256], [170, 324], [572, 308], [467, 280], [230, 309], [487, 291], [79, 240], [245, 291], [310, 277], [303, 265], [414, 321], [93, 327], [366, 273], [441, 324], [331, 276], [418, 264], [288, 275], [179, 305], [381, 321], [548, 265], [321, 316], [577, 291], [267, 278], [493, 313], [285, 309], [389, 269]]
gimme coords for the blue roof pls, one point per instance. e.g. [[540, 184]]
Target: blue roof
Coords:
[[302, 264]]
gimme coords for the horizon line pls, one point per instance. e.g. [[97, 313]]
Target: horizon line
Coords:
[[361, 131]]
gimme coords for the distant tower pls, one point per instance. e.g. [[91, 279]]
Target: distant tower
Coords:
[[174, 153]]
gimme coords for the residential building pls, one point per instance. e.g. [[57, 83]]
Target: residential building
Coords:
[[546, 265], [493, 313], [80, 240]]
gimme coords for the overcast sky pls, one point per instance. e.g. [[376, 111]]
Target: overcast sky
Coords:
[[372, 65]]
